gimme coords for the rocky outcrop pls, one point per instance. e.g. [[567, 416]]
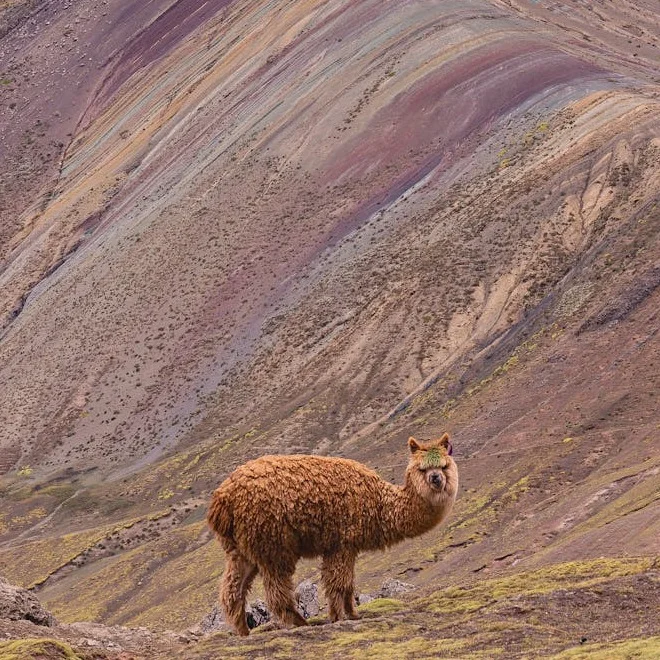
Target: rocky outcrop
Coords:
[[19, 604]]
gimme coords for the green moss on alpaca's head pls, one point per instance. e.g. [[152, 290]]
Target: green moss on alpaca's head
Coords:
[[433, 459]]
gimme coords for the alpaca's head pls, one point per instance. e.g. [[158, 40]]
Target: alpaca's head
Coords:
[[432, 471]]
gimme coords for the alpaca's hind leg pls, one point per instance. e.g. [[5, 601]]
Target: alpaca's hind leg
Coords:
[[337, 573], [236, 582], [279, 596]]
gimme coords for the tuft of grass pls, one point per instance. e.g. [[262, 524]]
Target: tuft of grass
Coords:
[[382, 606], [165, 494]]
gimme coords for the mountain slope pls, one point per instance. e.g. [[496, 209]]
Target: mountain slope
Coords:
[[261, 227]]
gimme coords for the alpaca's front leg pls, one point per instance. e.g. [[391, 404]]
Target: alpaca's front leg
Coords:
[[337, 573]]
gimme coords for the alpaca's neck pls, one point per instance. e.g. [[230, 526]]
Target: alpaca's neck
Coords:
[[407, 514]]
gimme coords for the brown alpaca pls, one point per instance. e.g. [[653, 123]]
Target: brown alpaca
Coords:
[[272, 511]]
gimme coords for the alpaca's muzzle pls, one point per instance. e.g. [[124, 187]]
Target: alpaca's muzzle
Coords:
[[436, 479]]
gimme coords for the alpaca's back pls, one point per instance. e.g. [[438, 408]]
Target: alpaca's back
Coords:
[[301, 505]]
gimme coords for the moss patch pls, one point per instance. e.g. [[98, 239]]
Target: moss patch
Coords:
[[23, 649], [642, 649], [571, 574], [381, 606]]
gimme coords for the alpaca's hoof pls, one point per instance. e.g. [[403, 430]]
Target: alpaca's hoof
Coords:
[[298, 620]]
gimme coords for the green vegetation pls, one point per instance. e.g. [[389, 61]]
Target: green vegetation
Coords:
[[23, 649], [577, 574], [382, 606], [174, 566], [31, 564], [638, 649], [60, 491]]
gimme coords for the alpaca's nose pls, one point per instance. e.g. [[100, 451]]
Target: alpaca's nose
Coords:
[[436, 480]]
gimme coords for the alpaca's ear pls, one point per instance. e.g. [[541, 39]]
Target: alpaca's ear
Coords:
[[413, 444], [444, 442]]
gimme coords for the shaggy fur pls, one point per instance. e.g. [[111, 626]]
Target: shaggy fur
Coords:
[[272, 511]]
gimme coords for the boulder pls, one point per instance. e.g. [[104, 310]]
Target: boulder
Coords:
[[17, 604], [257, 614], [307, 595]]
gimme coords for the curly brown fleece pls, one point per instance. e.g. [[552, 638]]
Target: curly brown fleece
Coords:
[[272, 511]]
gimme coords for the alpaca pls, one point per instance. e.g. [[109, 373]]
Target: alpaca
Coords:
[[274, 510]]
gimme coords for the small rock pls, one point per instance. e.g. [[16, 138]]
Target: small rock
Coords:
[[307, 595], [213, 621], [364, 598], [392, 588], [257, 614]]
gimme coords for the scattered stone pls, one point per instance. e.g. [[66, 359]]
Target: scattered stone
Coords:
[[214, 621], [118, 638], [392, 588], [257, 614], [17, 604], [307, 595]]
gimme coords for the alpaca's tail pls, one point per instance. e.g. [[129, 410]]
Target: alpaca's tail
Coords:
[[219, 516]]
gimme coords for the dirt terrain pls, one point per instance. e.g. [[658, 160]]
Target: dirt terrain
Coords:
[[236, 228]]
